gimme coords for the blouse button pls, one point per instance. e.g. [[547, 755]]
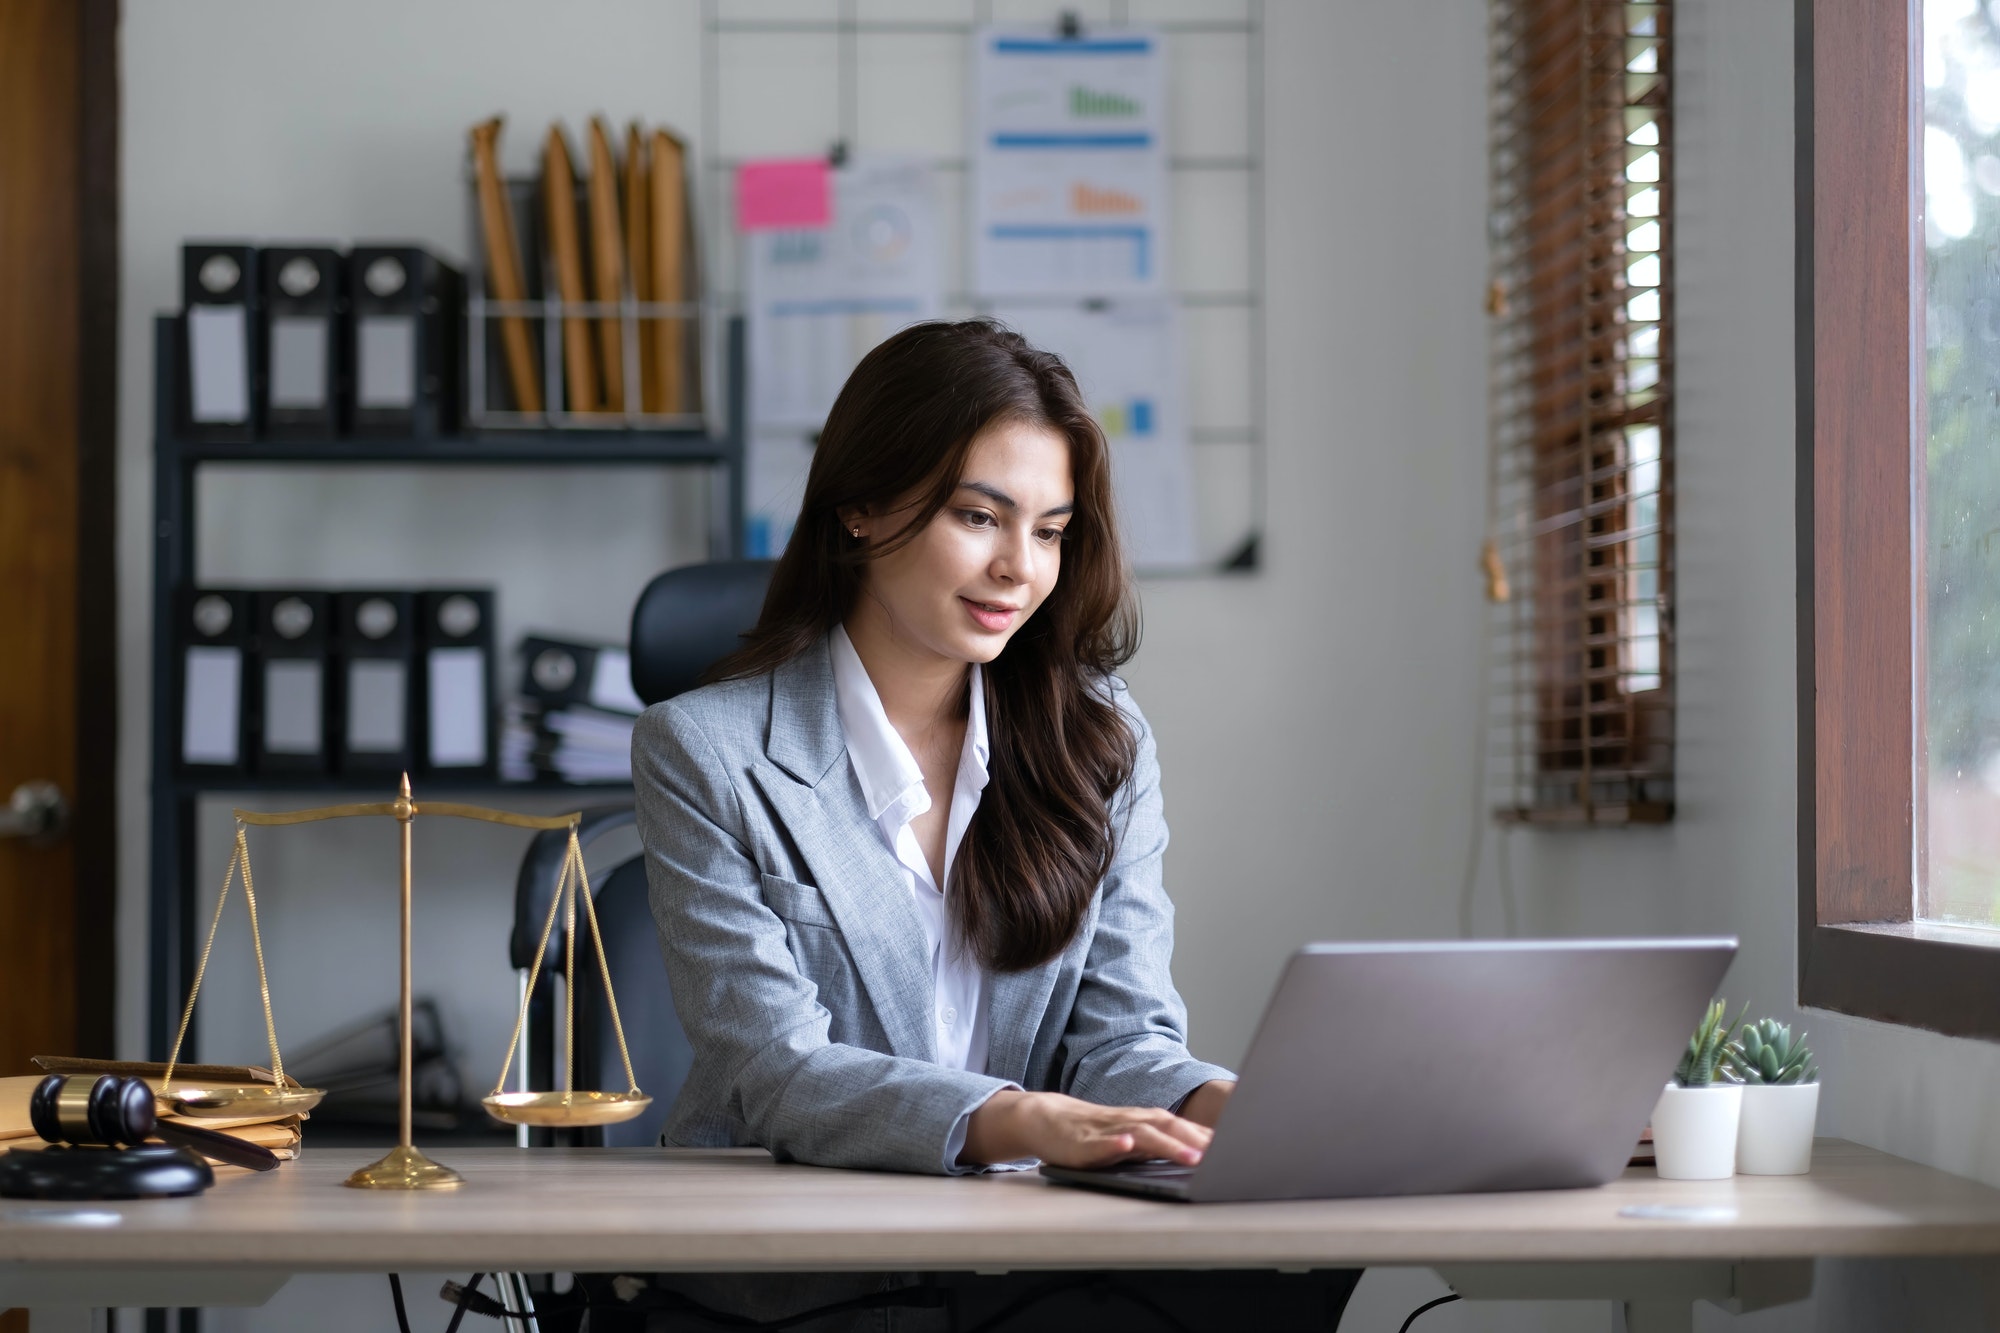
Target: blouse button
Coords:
[[949, 1015]]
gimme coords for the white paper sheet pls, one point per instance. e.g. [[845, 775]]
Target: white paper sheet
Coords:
[[1127, 360], [1069, 163], [818, 302], [611, 682], [211, 706], [219, 364], [293, 721], [457, 679]]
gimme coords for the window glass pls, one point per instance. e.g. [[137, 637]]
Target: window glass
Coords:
[[1961, 524]]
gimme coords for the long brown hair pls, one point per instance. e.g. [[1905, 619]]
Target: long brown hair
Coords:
[[898, 436]]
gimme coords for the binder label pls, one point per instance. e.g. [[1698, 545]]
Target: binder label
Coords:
[[219, 363], [210, 699], [457, 679]]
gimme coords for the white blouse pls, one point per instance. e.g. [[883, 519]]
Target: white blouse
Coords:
[[892, 784]]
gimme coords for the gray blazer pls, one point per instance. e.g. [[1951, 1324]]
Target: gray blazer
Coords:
[[798, 963]]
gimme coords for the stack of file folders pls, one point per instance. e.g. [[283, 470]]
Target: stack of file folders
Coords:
[[573, 722], [280, 1133]]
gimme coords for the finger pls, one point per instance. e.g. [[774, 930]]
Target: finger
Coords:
[[1152, 1141], [1187, 1131], [1095, 1150]]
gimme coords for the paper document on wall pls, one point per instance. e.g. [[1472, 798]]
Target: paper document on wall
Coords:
[[1069, 163], [1126, 359], [818, 301]]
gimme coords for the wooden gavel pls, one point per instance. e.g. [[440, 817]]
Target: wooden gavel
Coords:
[[115, 1112]]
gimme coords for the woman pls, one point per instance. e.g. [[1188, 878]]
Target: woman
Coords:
[[905, 854]]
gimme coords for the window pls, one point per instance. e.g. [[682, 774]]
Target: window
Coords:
[[1582, 430], [1899, 298], [1959, 869]]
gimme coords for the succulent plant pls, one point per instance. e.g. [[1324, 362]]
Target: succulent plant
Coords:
[[1705, 1060], [1766, 1052]]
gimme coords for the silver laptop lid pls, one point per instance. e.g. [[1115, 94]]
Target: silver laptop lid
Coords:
[[1450, 1067]]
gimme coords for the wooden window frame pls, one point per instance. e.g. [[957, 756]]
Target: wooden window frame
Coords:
[[1859, 121]]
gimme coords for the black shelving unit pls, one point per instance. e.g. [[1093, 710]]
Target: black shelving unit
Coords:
[[171, 898]]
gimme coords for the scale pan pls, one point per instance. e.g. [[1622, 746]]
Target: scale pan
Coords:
[[233, 1103], [565, 1109]]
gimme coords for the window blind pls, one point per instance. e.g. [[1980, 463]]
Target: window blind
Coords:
[[1580, 557]]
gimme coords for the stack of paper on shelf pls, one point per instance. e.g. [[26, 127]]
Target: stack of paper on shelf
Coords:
[[574, 720], [281, 1133], [358, 1065]]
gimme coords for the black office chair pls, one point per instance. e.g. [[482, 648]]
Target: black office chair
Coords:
[[687, 620]]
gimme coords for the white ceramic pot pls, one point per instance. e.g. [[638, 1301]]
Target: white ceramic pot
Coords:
[[1694, 1131], [1775, 1136]]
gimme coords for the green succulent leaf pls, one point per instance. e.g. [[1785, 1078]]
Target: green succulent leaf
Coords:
[[1709, 1050], [1766, 1052]]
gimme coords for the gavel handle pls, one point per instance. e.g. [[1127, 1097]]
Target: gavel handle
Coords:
[[223, 1147]]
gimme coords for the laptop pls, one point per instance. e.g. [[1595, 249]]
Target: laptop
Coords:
[[1446, 1068]]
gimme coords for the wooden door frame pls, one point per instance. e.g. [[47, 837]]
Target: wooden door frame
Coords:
[[94, 804]]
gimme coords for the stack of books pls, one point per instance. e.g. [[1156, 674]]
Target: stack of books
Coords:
[[573, 721]]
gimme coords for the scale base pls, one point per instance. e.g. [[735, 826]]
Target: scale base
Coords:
[[405, 1168]]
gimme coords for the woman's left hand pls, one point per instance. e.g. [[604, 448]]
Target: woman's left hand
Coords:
[[1204, 1105]]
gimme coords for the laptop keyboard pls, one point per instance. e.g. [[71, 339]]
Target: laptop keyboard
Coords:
[[1152, 1170]]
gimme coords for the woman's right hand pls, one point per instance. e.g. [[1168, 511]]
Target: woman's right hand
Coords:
[[1067, 1131]]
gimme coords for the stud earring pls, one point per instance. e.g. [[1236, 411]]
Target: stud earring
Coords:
[[855, 531]]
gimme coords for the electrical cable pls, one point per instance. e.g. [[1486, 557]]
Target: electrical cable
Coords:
[[458, 1315], [1429, 1305], [396, 1294]]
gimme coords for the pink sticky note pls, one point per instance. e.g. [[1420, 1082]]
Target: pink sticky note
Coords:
[[784, 193]]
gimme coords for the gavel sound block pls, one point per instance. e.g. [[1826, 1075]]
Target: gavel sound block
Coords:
[[97, 1131]]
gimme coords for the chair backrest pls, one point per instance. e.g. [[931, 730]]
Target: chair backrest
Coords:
[[690, 618], [686, 620]]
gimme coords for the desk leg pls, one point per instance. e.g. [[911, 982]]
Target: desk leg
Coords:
[[1658, 1316], [1654, 1297]]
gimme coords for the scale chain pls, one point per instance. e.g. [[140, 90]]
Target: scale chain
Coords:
[[603, 967], [228, 878], [572, 883], [240, 855], [257, 943], [535, 971]]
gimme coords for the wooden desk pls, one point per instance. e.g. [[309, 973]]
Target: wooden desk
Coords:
[[645, 1210]]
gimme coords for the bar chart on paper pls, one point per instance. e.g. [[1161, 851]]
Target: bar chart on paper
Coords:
[[1070, 165]]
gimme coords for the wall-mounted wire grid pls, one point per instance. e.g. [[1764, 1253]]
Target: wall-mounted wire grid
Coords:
[[876, 76]]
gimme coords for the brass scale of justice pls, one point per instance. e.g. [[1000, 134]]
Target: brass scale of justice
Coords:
[[406, 1168]]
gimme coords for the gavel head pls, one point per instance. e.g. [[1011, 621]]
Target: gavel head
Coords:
[[108, 1111]]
